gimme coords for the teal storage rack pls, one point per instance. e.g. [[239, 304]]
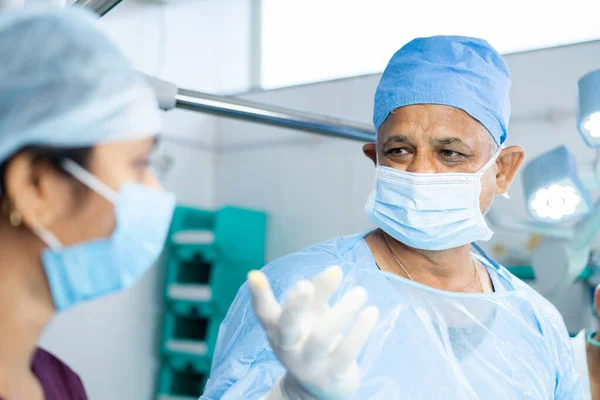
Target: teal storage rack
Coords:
[[208, 256], [526, 273]]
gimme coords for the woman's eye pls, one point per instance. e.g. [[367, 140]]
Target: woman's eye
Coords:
[[142, 164]]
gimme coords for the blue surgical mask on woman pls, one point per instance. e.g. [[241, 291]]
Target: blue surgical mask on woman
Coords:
[[429, 211], [93, 269]]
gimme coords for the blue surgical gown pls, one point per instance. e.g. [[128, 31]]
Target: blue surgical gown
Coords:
[[428, 343]]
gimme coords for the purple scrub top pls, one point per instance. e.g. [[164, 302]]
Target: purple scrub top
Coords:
[[58, 381]]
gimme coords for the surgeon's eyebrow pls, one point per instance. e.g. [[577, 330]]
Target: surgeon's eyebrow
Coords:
[[396, 139], [450, 140]]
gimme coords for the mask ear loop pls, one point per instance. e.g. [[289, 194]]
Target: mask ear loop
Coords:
[[490, 163], [47, 237], [89, 180]]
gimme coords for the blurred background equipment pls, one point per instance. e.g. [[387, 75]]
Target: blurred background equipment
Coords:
[[208, 257]]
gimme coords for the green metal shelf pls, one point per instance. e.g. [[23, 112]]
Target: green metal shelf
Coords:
[[208, 256]]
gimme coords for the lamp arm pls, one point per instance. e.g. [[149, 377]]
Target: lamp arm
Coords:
[[522, 226], [587, 229]]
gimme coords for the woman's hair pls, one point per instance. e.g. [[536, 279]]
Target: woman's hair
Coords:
[[53, 156]]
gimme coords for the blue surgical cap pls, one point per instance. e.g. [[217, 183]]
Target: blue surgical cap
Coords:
[[63, 83], [461, 72]]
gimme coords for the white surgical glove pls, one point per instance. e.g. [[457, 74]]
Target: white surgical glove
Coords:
[[306, 335]]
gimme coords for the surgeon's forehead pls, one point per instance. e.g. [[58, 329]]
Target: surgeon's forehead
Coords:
[[441, 124]]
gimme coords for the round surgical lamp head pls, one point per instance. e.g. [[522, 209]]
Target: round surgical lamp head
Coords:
[[588, 108], [552, 189]]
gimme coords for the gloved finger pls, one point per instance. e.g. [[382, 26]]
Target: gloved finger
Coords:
[[265, 305], [326, 284], [293, 315], [348, 349], [326, 331]]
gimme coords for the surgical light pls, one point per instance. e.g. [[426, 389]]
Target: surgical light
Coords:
[[588, 108], [553, 191], [591, 125], [555, 202]]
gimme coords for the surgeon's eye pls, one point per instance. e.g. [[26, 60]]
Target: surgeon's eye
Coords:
[[451, 155], [399, 151]]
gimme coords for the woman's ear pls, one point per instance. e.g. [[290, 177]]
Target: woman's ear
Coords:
[[38, 192]]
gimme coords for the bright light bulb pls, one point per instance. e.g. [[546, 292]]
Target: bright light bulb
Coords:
[[592, 124], [556, 201], [556, 215], [543, 195], [569, 211], [543, 212]]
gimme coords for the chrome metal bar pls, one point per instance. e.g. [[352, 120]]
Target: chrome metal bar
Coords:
[[270, 115], [100, 7]]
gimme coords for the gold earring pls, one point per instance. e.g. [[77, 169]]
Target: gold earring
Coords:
[[15, 218]]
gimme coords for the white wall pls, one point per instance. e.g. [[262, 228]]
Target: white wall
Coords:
[[202, 45], [314, 187]]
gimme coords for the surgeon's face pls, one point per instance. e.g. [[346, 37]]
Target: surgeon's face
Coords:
[[431, 138]]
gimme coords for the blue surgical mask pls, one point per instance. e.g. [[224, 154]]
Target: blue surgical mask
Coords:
[[429, 211], [94, 269]]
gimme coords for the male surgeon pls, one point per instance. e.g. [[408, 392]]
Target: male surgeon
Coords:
[[434, 317]]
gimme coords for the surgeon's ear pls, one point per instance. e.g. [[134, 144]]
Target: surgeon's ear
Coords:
[[370, 151], [508, 164]]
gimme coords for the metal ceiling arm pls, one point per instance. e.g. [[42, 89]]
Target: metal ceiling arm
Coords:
[[169, 97], [270, 115], [166, 92], [100, 7]]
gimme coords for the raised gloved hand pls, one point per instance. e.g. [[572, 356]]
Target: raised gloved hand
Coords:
[[306, 335]]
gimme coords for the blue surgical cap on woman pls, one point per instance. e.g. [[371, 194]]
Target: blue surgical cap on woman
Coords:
[[63, 83], [461, 72]]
